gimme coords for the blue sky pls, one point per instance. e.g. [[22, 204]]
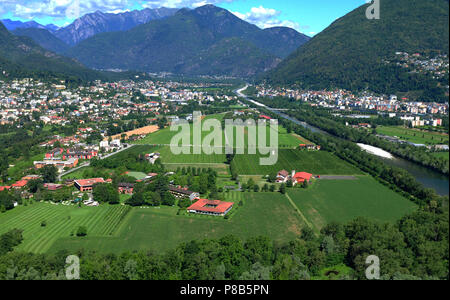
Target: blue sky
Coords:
[[307, 16]]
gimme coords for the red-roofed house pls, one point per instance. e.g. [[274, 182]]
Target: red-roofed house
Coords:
[[2, 188], [20, 184], [301, 177], [211, 207], [86, 185]]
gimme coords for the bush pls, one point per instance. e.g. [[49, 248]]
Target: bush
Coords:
[[82, 231]]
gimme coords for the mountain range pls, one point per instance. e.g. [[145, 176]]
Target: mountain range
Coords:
[[205, 41], [99, 22], [20, 56], [351, 52], [12, 25]]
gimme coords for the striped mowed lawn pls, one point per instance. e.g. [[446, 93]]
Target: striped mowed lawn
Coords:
[[161, 229], [62, 221]]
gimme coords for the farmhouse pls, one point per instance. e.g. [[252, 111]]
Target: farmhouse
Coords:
[[125, 188], [296, 177], [282, 176], [152, 157], [86, 185], [211, 207], [180, 192], [301, 177]]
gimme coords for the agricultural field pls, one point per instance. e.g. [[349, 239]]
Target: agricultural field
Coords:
[[343, 200], [164, 136], [160, 229], [414, 135], [220, 168], [315, 162], [61, 222]]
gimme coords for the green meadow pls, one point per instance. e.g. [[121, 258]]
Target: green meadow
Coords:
[[165, 136], [343, 200], [61, 222], [161, 229], [315, 162], [414, 135]]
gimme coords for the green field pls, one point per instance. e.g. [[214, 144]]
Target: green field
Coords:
[[444, 155], [315, 162], [62, 221], [414, 135], [161, 229], [344, 200], [164, 136], [137, 175]]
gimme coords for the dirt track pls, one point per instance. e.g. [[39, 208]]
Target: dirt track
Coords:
[[338, 177], [144, 130]]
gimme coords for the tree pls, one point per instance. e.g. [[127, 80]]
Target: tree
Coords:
[[10, 240], [49, 174], [168, 199], [35, 185], [290, 183], [272, 188], [105, 193], [305, 184], [283, 188], [273, 177], [81, 231], [256, 188]]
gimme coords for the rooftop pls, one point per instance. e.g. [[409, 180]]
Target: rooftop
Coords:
[[213, 206]]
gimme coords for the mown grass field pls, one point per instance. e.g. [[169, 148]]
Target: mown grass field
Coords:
[[315, 162], [165, 136], [414, 135], [161, 229], [343, 200], [62, 221]]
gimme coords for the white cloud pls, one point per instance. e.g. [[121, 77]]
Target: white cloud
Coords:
[[266, 18]]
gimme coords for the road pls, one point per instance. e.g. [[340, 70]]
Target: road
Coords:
[[88, 163]]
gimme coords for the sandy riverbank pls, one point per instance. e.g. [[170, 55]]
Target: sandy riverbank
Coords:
[[376, 151]]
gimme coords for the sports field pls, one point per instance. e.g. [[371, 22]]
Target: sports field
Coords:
[[315, 162], [137, 175], [61, 222], [161, 229], [414, 135], [344, 200]]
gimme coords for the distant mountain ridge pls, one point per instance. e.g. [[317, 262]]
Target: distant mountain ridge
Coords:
[[20, 56], [44, 38], [351, 52], [99, 22], [188, 42], [12, 25]]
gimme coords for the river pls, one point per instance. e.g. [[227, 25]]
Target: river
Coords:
[[429, 178]]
